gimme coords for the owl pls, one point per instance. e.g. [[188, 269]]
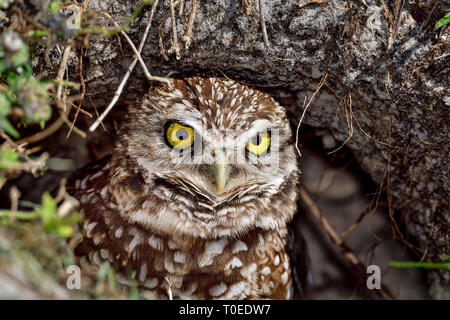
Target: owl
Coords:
[[196, 198]]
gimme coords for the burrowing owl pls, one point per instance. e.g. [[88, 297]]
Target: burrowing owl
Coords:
[[197, 194]]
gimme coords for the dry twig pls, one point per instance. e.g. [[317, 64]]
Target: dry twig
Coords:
[[83, 92], [263, 24], [60, 75], [34, 166], [187, 38], [359, 268], [305, 107], [175, 46], [128, 73], [349, 118]]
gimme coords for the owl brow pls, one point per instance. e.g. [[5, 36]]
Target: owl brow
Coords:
[[259, 129]]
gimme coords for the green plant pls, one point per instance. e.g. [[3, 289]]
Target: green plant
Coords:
[[443, 21], [47, 214], [427, 265], [18, 86]]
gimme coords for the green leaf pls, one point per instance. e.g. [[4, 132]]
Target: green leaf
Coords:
[[443, 21], [5, 105], [112, 280], [426, 265], [7, 126], [48, 209], [103, 270], [22, 57], [53, 6], [445, 257], [64, 231], [37, 33], [9, 155]]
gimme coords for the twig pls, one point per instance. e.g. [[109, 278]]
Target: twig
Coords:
[[176, 47], [69, 203], [366, 134], [138, 55], [66, 120], [81, 110], [127, 74], [394, 22], [334, 236], [60, 75], [162, 50], [18, 146], [396, 229], [48, 46], [181, 8], [42, 134], [133, 47], [187, 38], [425, 23], [263, 24], [14, 195], [83, 92], [355, 224], [319, 86], [31, 165], [303, 4]]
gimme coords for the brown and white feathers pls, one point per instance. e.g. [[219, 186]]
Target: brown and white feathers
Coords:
[[210, 221]]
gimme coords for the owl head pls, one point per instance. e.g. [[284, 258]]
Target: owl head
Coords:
[[206, 157]]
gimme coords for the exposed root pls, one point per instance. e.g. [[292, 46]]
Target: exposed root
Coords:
[[129, 70], [14, 195], [137, 53], [263, 24], [175, 45], [396, 230], [83, 92], [41, 135], [162, 50], [369, 136], [61, 70], [181, 8], [349, 118], [187, 38], [305, 107]]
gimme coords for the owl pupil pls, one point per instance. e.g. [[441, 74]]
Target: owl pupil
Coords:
[[256, 140], [182, 134]]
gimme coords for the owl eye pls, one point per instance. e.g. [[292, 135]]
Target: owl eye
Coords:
[[259, 144], [179, 136]]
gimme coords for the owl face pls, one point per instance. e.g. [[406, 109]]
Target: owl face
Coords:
[[215, 153]]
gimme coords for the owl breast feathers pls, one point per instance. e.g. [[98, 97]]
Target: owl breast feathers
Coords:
[[196, 197]]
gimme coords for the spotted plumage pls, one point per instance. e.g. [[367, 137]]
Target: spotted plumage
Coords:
[[198, 224]]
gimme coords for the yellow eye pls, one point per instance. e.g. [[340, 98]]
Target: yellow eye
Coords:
[[259, 144], [179, 136]]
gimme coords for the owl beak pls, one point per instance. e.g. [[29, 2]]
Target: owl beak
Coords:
[[221, 173]]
